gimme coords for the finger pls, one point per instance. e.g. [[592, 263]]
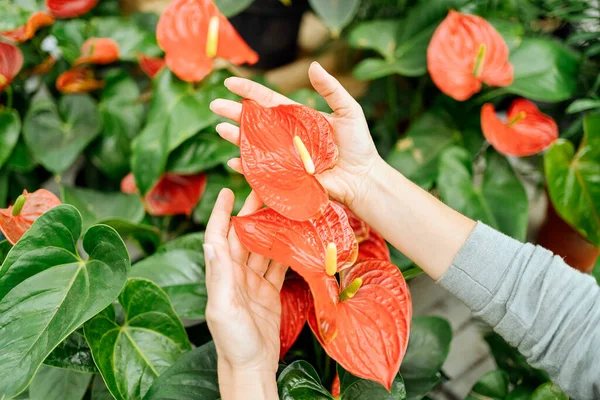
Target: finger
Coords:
[[236, 165], [217, 228], [227, 108], [258, 263], [338, 98], [276, 274], [229, 132], [257, 92], [238, 252]]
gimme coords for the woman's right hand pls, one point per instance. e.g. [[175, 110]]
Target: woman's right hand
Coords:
[[358, 159]]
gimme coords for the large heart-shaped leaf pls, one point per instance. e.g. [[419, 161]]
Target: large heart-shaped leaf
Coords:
[[179, 270], [199, 153], [193, 376], [335, 13], [486, 201], [5, 247], [229, 8], [122, 116], [150, 339], [178, 111], [72, 353], [99, 389], [545, 70], [353, 388], [20, 159], [428, 348], [58, 384], [217, 181], [417, 154], [10, 129], [574, 180], [57, 135], [300, 381], [549, 391], [131, 37], [402, 43], [47, 290], [493, 385]]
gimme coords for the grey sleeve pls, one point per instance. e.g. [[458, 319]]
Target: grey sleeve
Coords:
[[540, 305]]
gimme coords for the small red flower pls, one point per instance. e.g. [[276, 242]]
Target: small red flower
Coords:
[[172, 195], [98, 51], [70, 8], [374, 246], [373, 317], [295, 300], [11, 61], [78, 80], [44, 67], [36, 21], [282, 148], [192, 33], [466, 51], [527, 132], [150, 65], [316, 249], [18, 218]]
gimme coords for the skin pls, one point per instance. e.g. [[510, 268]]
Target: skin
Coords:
[[243, 288]]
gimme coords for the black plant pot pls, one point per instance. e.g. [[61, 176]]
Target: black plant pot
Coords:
[[271, 29]]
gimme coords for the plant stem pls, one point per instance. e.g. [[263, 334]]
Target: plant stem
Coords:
[[9, 96]]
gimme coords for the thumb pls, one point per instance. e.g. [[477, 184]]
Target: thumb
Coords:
[[338, 98]]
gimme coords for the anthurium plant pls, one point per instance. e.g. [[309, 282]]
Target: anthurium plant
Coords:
[[110, 166]]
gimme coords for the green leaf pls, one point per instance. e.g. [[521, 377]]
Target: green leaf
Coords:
[[215, 182], [72, 353], [179, 110], [520, 392], [70, 35], [20, 159], [229, 8], [15, 13], [574, 180], [5, 247], [511, 32], [96, 207], [300, 381], [418, 388], [122, 116], [549, 391], [353, 388], [57, 135], [58, 384], [493, 385], [10, 128], [402, 43], [193, 376], [310, 98], [191, 241], [335, 13], [47, 290], [3, 191], [200, 153], [486, 201], [180, 273], [417, 154], [583, 105], [131, 38], [545, 70], [150, 339], [99, 389]]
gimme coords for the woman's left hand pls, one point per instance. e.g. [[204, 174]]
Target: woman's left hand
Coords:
[[244, 310]]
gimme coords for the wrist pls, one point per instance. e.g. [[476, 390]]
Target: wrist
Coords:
[[370, 189], [235, 383]]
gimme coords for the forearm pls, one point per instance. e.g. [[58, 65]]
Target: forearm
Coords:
[[412, 220], [242, 385]]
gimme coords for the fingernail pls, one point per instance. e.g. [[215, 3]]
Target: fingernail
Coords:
[[209, 252], [226, 82], [212, 105], [229, 163], [218, 128]]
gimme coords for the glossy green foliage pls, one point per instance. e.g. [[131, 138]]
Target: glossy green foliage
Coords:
[[216, 182], [58, 384], [493, 386], [73, 353], [68, 289], [300, 381], [131, 352], [230, 8], [200, 153], [335, 13], [354, 388], [10, 130]]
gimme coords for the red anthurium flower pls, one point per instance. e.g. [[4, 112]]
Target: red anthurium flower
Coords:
[[374, 246], [78, 80], [70, 8], [173, 194], [98, 51], [11, 61], [44, 67], [18, 218], [282, 148], [373, 319], [150, 65], [465, 51], [192, 33], [23, 33], [316, 249], [527, 132], [295, 300], [360, 227]]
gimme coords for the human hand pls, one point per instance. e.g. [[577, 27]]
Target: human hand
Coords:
[[243, 311], [358, 157]]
